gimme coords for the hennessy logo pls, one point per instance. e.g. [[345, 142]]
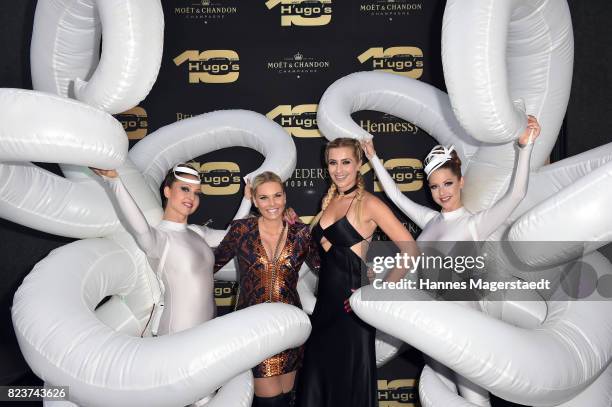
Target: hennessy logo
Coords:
[[299, 121], [211, 66], [407, 61], [303, 12]]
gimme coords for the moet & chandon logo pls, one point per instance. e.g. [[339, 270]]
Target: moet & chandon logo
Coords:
[[206, 10], [407, 61], [390, 8], [299, 120], [210, 66], [298, 64], [303, 12]]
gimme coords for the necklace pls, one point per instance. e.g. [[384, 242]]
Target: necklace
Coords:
[[348, 191]]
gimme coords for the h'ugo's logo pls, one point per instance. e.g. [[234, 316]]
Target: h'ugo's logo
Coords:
[[225, 293], [397, 393], [406, 172], [135, 122], [211, 66], [303, 12], [407, 61], [299, 121], [220, 178]]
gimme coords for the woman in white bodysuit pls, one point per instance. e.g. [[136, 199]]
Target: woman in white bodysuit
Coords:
[[454, 222], [178, 251]]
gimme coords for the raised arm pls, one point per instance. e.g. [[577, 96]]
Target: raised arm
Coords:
[[131, 216], [487, 221], [419, 214]]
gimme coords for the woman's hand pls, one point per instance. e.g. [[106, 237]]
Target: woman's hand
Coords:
[[290, 216], [368, 148], [532, 131], [347, 304], [248, 192], [105, 173]]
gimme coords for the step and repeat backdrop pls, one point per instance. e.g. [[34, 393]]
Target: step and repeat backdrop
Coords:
[[277, 57]]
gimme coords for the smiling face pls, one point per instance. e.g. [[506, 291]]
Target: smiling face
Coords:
[[343, 167], [445, 189], [270, 199], [183, 199]]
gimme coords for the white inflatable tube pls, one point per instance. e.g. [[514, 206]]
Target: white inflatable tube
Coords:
[[66, 40], [386, 347], [237, 392], [589, 227], [65, 44], [433, 392], [576, 339], [36, 198], [103, 367], [39, 127], [406, 98], [306, 287], [189, 138], [497, 52], [597, 394]]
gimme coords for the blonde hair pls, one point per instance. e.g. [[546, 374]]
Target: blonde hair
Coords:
[[266, 176], [333, 190]]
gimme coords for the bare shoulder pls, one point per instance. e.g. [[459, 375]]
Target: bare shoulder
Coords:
[[372, 202], [373, 206]]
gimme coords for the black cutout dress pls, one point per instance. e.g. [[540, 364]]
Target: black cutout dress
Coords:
[[339, 367]]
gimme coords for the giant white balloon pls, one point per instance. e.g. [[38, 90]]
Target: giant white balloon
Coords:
[[65, 131], [65, 50]]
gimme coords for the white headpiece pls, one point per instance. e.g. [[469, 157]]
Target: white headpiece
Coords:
[[437, 157], [182, 169]]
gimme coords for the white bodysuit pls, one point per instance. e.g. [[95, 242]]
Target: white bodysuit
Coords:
[[187, 271], [459, 225]]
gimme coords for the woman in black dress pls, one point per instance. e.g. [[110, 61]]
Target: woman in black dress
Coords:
[[339, 362]]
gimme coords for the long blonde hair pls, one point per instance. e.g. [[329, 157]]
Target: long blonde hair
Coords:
[[333, 190]]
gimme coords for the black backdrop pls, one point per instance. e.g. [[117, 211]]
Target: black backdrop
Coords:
[[278, 59]]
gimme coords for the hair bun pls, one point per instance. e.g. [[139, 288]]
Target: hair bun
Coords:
[[455, 159]]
